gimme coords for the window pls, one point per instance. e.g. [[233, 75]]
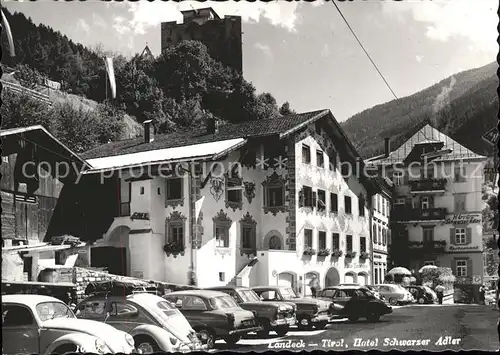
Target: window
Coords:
[[384, 237], [307, 196], [361, 205], [399, 201], [334, 203], [5, 159], [234, 190], [94, 310], [159, 191], [306, 154], [459, 173], [327, 293], [16, 316], [142, 190], [321, 200], [375, 237], [362, 244], [460, 236], [125, 194], [177, 234], [427, 172], [274, 196], [322, 240], [397, 178], [461, 268], [347, 204], [383, 207], [333, 160], [460, 202], [335, 241], [379, 233], [193, 303], [349, 242], [320, 161], [388, 208], [222, 276], [308, 238], [123, 310], [428, 234], [379, 203], [174, 189], [222, 236], [247, 236]]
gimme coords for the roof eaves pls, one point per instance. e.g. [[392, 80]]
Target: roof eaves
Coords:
[[303, 124], [229, 150], [20, 130]]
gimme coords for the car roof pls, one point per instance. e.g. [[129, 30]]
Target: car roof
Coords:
[[228, 287], [28, 300], [343, 287], [201, 293], [268, 287]]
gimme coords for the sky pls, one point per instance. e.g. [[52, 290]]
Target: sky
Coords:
[[303, 52]]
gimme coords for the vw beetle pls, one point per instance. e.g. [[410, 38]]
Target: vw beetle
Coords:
[[36, 324]]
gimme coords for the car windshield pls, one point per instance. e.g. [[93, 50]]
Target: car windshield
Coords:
[[427, 289], [288, 293], [222, 302], [249, 296], [368, 292], [51, 310]]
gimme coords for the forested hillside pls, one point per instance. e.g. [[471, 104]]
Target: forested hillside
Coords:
[[463, 106], [177, 90]]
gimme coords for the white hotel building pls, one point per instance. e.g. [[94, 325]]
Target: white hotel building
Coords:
[[436, 217], [287, 215]]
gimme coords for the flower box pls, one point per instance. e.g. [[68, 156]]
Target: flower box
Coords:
[[309, 251], [323, 252], [337, 253], [173, 249], [350, 254]]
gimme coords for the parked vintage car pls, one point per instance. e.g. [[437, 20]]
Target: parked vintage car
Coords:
[[155, 324], [214, 315], [36, 324], [422, 294], [272, 316], [394, 294], [372, 289], [358, 302], [309, 311]]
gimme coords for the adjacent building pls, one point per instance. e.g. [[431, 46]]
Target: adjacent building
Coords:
[[436, 212], [222, 36], [260, 202]]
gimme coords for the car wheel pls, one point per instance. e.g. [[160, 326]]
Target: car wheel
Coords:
[[421, 300], [264, 333], [207, 337], [353, 318], [232, 339], [282, 330], [146, 345], [320, 325], [374, 317], [64, 349], [304, 324], [393, 301]]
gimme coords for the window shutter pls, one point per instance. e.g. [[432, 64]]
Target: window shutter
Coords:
[[167, 234], [452, 236], [431, 201], [457, 203], [469, 268], [454, 266], [314, 199], [468, 235], [301, 198]]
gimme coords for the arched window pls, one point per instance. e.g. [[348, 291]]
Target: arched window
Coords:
[[275, 243]]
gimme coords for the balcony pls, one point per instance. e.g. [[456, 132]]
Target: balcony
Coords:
[[417, 214], [427, 247], [428, 186]]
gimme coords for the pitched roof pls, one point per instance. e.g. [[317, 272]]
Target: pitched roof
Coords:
[[248, 129], [428, 135]]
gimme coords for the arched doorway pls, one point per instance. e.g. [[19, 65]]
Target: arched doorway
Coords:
[[350, 278], [332, 277], [275, 243], [362, 278], [286, 279], [307, 279]]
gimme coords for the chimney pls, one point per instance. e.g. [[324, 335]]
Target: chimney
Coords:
[[387, 147], [148, 131]]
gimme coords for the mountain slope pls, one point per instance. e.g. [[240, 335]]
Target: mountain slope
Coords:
[[463, 106]]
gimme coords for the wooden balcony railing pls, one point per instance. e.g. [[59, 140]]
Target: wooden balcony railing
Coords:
[[417, 214], [426, 247]]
